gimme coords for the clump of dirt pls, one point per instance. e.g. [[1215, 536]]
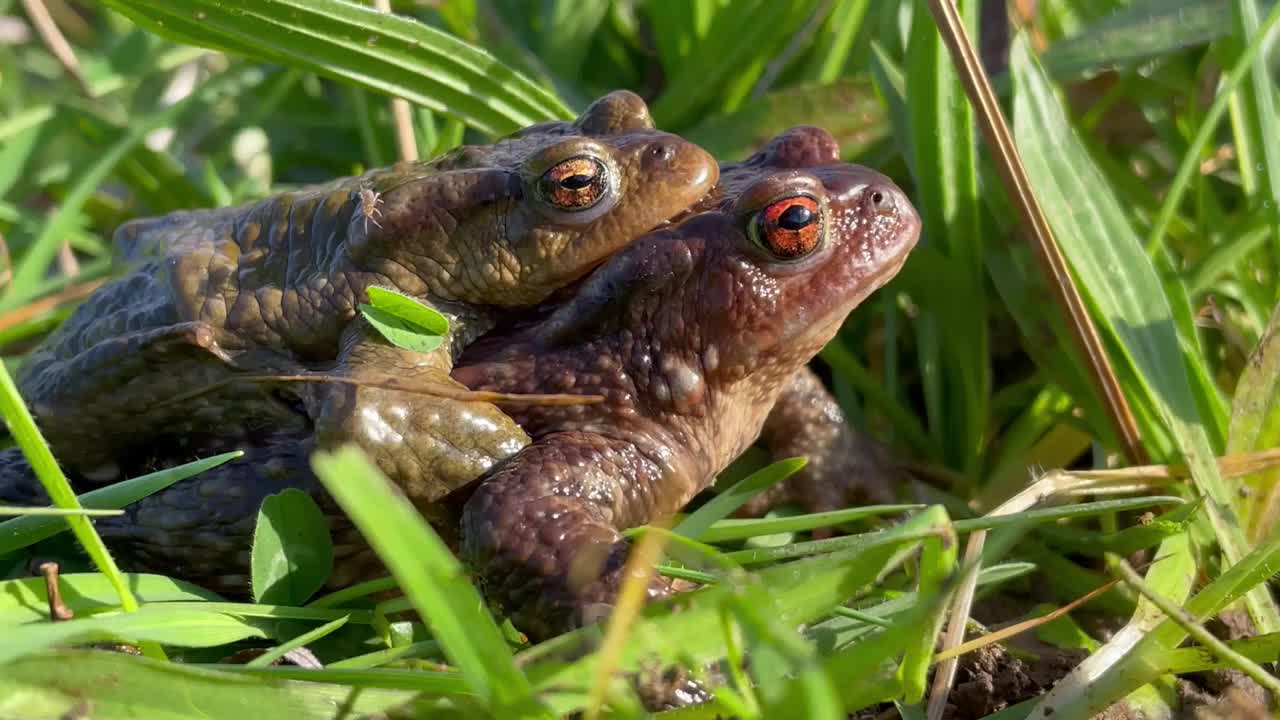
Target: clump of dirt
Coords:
[[1224, 693], [1235, 704], [990, 679]]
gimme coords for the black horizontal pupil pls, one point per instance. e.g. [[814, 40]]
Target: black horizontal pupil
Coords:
[[576, 182], [795, 217]]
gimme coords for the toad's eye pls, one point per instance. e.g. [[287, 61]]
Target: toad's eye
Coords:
[[575, 184], [789, 228]]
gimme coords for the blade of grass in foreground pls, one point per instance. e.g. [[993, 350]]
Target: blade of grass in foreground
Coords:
[[23, 600], [23, 428], [432, 578], [63, 684], [180, 624], [800, 591], [31, 529]]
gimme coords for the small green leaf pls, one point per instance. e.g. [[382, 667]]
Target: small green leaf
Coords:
[[409, 309], [400, 332], [292, 552], [404, 321]]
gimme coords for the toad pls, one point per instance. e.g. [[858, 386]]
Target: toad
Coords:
[[690, 333], [272, 288]]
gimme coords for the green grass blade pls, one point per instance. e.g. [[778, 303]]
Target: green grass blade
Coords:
[[279, 651], [387, 53], [723, 505], [1255, 425], [21, 532], [1138, 31], [1191, 159], [834, 43], [1144, 655], [848, 109], [1127, 293], [740, 529], [447, 683], [741, 36], [14, 153], [165, 623], [35, 262], [428, 573], [56, 512], [569, 28], [1260, 100], [938, 559], [803, 591], [28, 437], [24, 600], [944, 146], [63, 684], [1263, 649]]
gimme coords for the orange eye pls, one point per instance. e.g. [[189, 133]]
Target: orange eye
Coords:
[[574, 184], [789, 228]]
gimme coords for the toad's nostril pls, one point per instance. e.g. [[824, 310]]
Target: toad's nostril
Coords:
[[663, 151]]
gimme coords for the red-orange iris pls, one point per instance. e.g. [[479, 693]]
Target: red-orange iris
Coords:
[[791, 228]]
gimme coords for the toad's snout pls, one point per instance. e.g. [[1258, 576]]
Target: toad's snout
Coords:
[[895, 224]]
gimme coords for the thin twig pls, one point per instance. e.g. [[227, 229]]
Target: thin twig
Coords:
[[53, 40], [67, 261], [61, 49], [1054, 484], [6, 263], [996, 636], [398, 384], [1014, 175], [17, 316], [401, 113], [58, 611]]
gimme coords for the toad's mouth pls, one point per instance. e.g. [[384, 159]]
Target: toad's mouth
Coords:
[[707, 202]]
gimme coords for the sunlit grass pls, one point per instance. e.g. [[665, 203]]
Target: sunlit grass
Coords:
[[1149, 135]]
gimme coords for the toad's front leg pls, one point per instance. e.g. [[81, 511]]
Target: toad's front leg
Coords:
[[542, 531], [393, 404], [847, 467]]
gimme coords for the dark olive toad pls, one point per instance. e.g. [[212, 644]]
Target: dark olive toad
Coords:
[[273, 288]]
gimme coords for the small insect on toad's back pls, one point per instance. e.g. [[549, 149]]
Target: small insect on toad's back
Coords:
[[369, 202]]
